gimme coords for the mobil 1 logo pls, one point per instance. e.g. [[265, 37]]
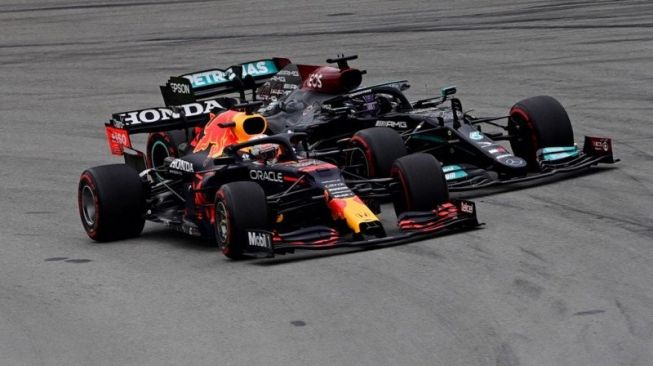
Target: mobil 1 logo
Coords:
[[259, 240]]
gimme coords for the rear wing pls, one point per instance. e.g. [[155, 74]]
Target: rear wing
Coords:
[[158, 119], [168, 118], [211, 83]]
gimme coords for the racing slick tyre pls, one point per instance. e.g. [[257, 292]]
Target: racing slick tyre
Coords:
[[239, 206], [381, 146], [536, 123], [111, 201], [422, 183], [173, 143]]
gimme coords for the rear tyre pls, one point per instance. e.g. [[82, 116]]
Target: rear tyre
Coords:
[[422, 183], [381, 146], [111, 202], [160, 145], [538, 122], [239, 206]]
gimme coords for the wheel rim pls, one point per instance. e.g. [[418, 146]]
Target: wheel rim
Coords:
[[221, 223], [158, 153], [357, 163], [89, 210]]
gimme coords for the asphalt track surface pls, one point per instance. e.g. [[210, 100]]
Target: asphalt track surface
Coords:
[[562, 274]]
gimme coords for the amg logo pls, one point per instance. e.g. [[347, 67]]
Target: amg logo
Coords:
[[182, 165], [392, 124], [266, 175], [467, 207], [261, 240]]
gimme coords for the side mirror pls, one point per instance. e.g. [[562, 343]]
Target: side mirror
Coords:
[[448, 90]]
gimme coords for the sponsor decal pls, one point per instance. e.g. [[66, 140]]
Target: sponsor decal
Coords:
[[179, 88], [450, 168], [269, 176], [154, 115], [498, 150], [392, 124], [475, 135], [182, 165], [337, 189], [601, 145], [467, 207], [118, 138], [306, 163], [483, 143], [315, 81], [511, 160], [288, 73], [455, 175], [214, 77], [259, 239]]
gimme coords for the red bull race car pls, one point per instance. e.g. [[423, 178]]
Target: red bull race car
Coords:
[[329, 105], [258, 195]]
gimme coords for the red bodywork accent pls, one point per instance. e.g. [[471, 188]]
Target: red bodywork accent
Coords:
[[328, 79], [118, 139], [312, 168], [203, 207], [524, 116], [444, 212], [332, 240]]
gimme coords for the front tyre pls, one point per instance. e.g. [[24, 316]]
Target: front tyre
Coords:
[[422, 182], [111, 202], [536, 123], [380, 146], [239, 206]]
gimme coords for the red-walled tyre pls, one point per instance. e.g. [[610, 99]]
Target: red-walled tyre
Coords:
[[380, 146], [239, 206], [422, 182], [536, 123], [111, 202]]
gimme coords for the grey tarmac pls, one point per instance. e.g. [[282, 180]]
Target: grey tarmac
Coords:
[[562, 274]]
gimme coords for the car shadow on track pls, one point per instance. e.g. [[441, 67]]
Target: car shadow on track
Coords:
[[161, 234]]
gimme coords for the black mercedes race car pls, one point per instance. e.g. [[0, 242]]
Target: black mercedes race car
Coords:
[[259, 195], [328, 104]]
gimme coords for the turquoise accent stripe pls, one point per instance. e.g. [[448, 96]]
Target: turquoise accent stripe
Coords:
[[429, 138], [455, 175], [559, 152], [453, 172], [451, 168], [548, 150]]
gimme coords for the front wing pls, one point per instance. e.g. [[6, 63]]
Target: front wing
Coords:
[[595, 150], [449, 217]]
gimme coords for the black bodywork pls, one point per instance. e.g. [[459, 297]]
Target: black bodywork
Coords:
[[311, 205], [472, 157]]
